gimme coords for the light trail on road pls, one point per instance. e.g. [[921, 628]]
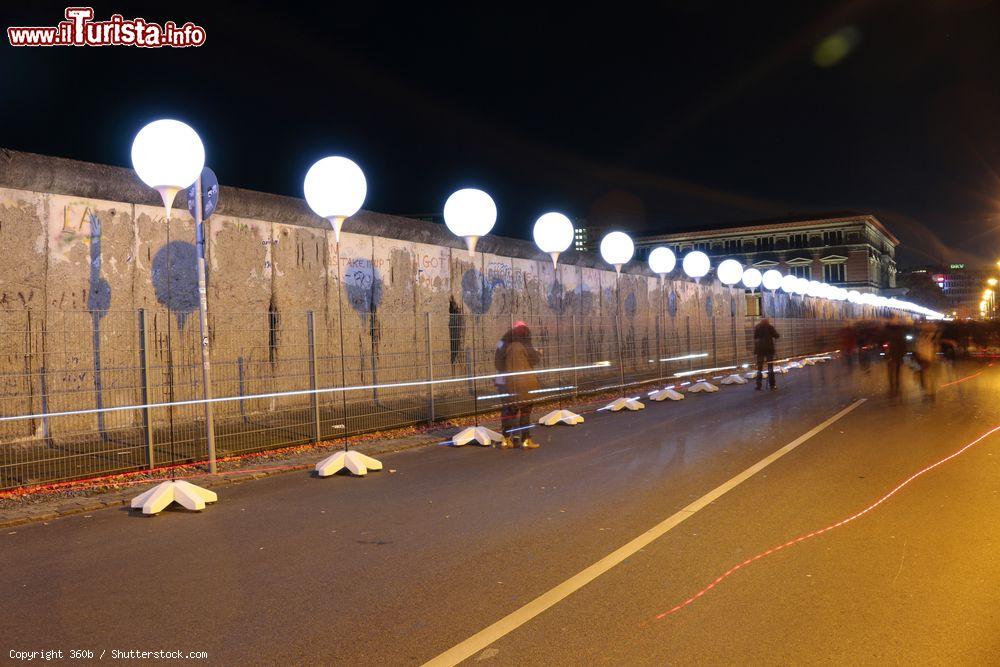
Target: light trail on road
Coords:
[[843, 522]]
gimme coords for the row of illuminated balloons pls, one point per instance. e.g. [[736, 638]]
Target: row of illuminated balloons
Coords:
[[168, 155], [617, 249]]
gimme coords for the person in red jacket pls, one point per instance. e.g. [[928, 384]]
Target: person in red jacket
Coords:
[[517, 355]]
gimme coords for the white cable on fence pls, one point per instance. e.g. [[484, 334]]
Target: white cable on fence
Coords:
[[328, 390], [301, 392]]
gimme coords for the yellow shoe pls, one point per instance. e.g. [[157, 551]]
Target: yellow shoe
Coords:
[[506, 443], [529, 444]]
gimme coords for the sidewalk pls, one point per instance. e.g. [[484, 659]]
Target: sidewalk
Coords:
[[46, 502], [52, 501]]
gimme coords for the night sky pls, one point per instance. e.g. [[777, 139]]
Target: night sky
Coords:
[[705, 112]]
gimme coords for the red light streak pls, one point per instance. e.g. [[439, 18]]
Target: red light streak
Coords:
[[802, 538], [967, 377]]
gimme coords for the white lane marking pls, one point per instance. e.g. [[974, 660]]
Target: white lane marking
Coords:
[[515, 619]]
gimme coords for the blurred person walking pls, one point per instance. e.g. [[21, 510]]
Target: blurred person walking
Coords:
[[517, 356], [895, 339], [925, 350], [764, 335], [849, 343]]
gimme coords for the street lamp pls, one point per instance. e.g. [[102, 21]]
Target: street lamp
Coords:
[[617, 249], [335, 188], [470, 213], [167, 156], [553, 234]]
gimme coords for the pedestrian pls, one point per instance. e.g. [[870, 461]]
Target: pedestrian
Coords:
[[764, 335], [848, 343], [925, 349], [517, 357], [895, 350], [865, 341]]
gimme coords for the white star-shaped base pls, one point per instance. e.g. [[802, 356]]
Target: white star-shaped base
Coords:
[[624, 403], [733, 379], [821, 360], [563, 416], [355, 462], [664, 394], [753, 374], [702, 385], [186, 494], [794, 364], [478, 434], [809, 362], [781, 369]]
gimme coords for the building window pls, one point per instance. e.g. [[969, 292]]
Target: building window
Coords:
[[765, 243], [798, 240], [833, 273], [802, 271], [833, 238]]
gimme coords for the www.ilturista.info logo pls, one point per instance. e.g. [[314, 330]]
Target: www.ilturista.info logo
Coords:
[[79, 29]]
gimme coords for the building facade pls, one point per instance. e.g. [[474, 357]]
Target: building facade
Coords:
[[963, 286], [850, 250]]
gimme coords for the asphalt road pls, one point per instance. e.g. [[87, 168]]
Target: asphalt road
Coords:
[[398, 567]]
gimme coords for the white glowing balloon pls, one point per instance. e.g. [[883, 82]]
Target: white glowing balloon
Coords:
[[752, 278], [801, 286], [335, 189], [553, 234], [470, 213], [729, 271], [617, 249], [168, 156], [854, 296], [813, 288], [662, 260], [696, 264], [771, 279], [788, 283]]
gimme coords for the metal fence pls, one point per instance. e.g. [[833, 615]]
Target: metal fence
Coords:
[[91, 393]]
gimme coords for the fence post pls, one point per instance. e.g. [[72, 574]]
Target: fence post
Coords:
[[715, 347], [687, 327], [314, 375], [732, 326], [659, 352], [430, 367], [147, 417], [576, 371]]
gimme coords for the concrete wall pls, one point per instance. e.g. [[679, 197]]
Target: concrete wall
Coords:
[[88, 245]]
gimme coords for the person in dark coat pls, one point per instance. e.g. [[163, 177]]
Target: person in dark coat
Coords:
[[517, 355], [895, 339], [764, 335]]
